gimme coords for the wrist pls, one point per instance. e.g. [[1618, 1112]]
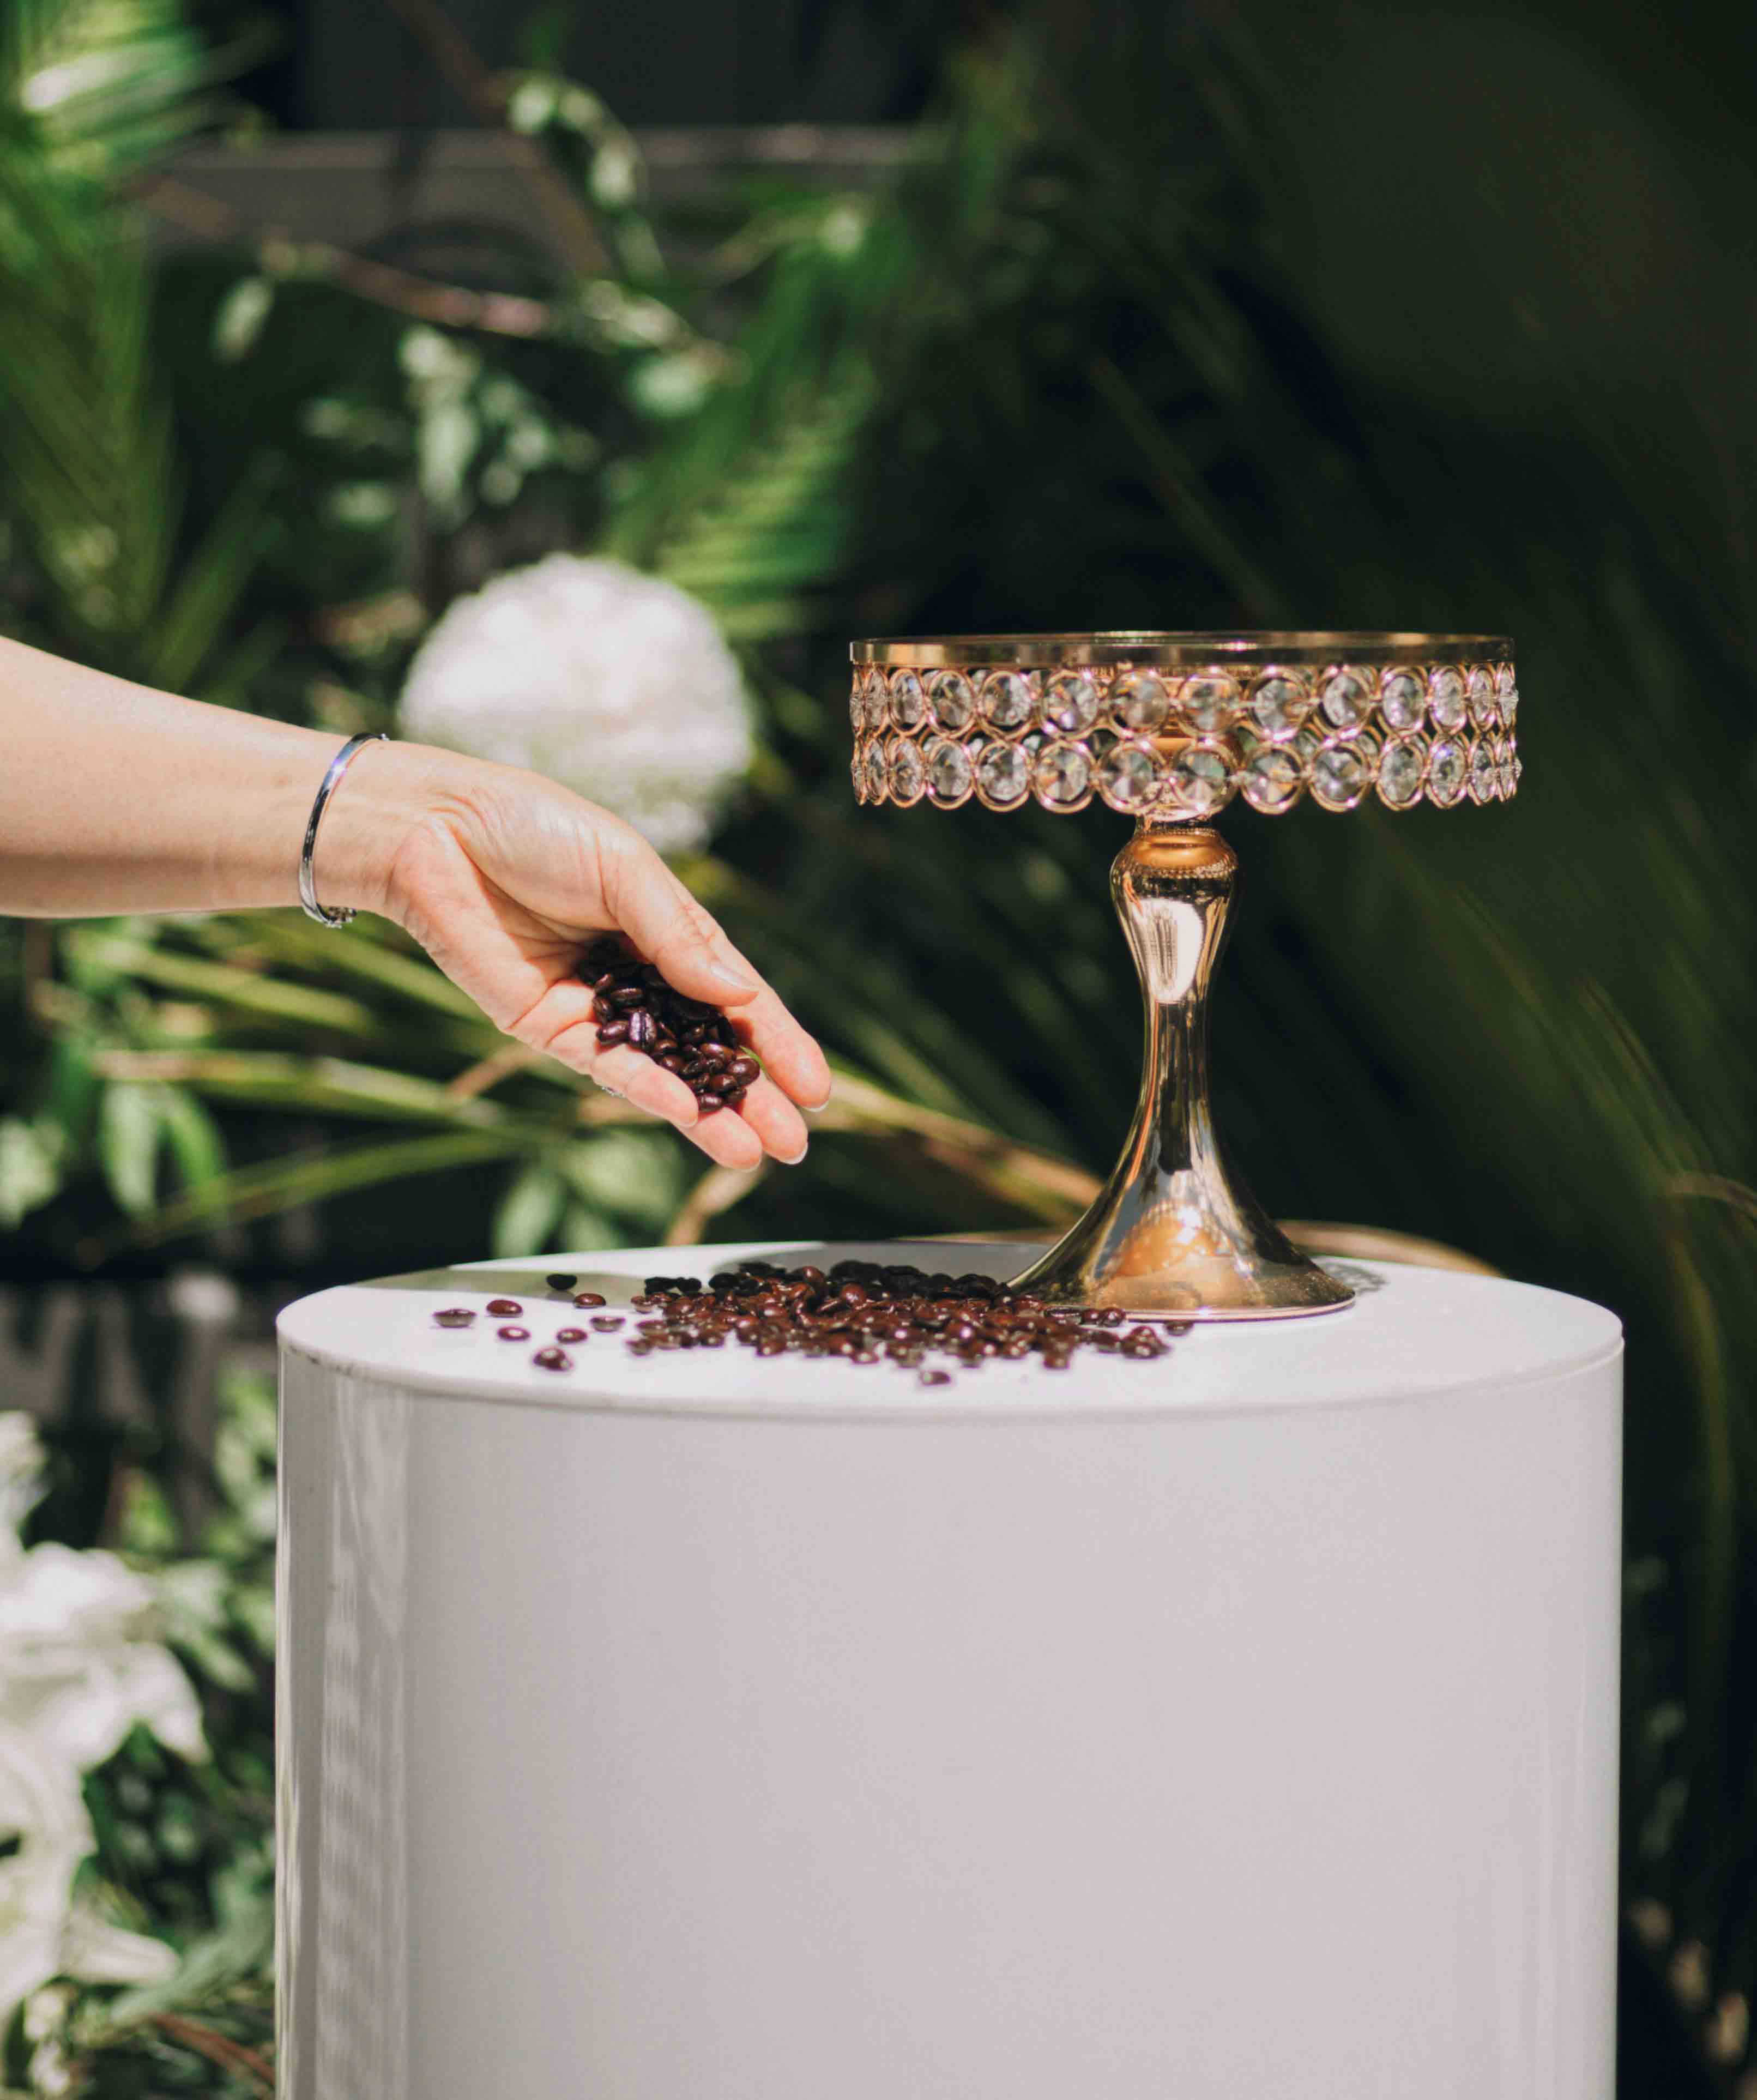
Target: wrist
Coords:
[[389, 791]]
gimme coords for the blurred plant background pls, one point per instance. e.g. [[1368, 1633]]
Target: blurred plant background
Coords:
[[1363, 315]]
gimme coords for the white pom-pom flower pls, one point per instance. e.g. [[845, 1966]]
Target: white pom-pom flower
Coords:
[[616, 684]]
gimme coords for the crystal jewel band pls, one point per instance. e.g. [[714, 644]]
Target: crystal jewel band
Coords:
[[1181, 742]]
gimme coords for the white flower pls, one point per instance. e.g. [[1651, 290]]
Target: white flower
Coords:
[[21, 1477], [78, 1669], [42, 1811], [616, 684], [97, 1952]]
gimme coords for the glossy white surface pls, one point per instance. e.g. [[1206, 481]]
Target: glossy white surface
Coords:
[[1436, 1330], [1240, 1724]]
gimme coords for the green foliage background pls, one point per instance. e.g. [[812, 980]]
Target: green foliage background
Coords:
[[1368, 316]]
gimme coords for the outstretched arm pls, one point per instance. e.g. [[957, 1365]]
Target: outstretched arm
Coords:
[[116, 798]]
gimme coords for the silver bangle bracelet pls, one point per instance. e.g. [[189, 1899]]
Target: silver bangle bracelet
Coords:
[[338, 766]]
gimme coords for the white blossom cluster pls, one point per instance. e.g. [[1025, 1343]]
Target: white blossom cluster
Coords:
[[616, 684], [78, 1668]]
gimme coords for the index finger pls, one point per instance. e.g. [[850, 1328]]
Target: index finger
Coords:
[[684, 940], [790, 1057]]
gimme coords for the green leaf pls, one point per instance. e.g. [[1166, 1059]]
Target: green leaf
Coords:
[[130, 1129], [193, 1138], [632, 1174], [210, 584], [260, 1192], [29, 1170], [529, 1211]]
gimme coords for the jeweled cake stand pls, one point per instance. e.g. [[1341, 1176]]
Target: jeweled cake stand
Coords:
[[1168, 729]]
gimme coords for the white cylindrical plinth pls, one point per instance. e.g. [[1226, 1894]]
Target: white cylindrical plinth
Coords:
[[711, 1727]]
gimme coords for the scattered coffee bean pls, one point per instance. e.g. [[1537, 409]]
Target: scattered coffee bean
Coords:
[[571, 1335], [561, 1282], [585, 1299], [454, 1316], [513, 1333], [608, 1323], [633, 1004], [506, 1307], [553, 1360]]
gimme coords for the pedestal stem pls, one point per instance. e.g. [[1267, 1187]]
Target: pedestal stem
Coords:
[[1170, 1234]]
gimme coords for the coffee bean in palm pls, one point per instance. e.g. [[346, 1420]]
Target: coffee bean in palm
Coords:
[[633, 1004]]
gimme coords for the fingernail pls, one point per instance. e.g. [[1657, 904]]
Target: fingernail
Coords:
[[732, 979], [798, 1155]]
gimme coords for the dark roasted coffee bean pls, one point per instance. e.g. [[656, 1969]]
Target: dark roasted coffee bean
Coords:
[[587, 1297], [513, 1333], [934, 1378], [607, 1324], [507, 1307], [864, 1312], [640, 1029], [709, 1104], [613, 1032], [571, 1335], [454, 1316], [553, 1360], [560, 1283]]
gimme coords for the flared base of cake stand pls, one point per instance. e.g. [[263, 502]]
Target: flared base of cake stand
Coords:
[[1160, 1267]]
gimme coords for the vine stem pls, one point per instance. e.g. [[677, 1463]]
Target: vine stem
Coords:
[[451, 53], [281, 252], [230, 2055]]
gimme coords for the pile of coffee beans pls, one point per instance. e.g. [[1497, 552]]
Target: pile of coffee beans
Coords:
[[869, 1311], [863, 1312], [633, 1004]]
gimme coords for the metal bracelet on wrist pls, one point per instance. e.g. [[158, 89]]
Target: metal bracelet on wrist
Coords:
[[341, 914]]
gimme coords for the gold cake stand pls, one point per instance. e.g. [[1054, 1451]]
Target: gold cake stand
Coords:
[[1168, 729]]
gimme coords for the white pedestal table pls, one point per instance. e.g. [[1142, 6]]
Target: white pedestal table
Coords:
[[706, 1727]]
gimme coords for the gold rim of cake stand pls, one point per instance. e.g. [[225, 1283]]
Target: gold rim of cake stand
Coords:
[[1146, 649]]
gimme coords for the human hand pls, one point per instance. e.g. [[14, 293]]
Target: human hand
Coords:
[[504, 877]]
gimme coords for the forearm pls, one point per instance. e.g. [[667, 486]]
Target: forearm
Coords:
[[116, 798]]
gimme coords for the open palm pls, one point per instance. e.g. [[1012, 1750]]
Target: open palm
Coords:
[[508, 879]]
